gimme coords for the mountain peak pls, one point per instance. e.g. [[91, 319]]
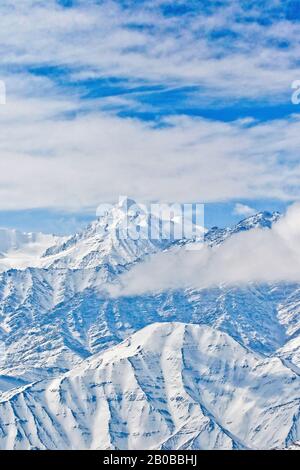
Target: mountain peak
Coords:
[[108, 240], [264, 219], [261, 219]]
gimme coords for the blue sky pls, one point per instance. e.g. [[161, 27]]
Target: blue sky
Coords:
[[159, 100]]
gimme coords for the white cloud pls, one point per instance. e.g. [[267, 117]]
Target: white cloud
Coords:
[[260, 255], [59, 151], [103, 40], [49, 160], [243, 210]]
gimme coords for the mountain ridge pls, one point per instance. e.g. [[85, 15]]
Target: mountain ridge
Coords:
[[140, 404], [57, 318]]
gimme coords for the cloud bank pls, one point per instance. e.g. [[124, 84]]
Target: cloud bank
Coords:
[[95, 157], [63, 147], [259, 255]]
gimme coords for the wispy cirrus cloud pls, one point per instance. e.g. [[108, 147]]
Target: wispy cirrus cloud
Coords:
[[228, 51]]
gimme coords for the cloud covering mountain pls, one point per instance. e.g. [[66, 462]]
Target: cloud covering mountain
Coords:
[[78, 368], [258, 255]]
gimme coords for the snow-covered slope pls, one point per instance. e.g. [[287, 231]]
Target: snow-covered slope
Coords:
[[105, 242], [263, 220], [101, 243], [291, 351], [52, 318], [294, 446], [56, 317], [10, 383], [168, 386]]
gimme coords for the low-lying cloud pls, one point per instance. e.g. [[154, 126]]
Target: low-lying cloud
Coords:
[[259, 255]]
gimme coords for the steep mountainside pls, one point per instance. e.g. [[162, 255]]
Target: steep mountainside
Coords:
[[168, 386], [52, 318], [63, 366]]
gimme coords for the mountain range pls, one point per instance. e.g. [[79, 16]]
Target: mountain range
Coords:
[[215, 368]]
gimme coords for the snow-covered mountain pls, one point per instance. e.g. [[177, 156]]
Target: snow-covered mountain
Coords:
[[56, 319], [100, 245], [264, 220], [105, 242], [66, 316], [52, 319], [169, 386]]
